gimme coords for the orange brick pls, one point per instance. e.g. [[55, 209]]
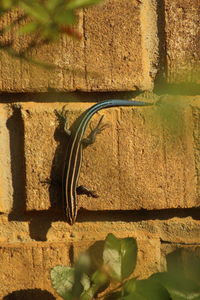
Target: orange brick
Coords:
[[134, 164], [113, 54], [6, 161], [182, 40], [26, 267]]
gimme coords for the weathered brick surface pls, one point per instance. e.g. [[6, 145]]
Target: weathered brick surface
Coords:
[[6, 191], [142, 168], [182, 40], [109, 56], [196, 145], [26, 267], [148, 181]]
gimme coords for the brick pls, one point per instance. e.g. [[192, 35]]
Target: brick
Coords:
[[135, 164], [153, 171], [115, 53], [157, 169], [26, 267], [196, 115], [182, 230], [169, 229], [182, 40], [148, 261], [40, 147], [6, 190]]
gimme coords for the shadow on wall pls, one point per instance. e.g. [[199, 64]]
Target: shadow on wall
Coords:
[[32, 294], [40, 222]]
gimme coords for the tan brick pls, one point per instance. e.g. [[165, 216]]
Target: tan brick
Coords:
[[115, 53], [196, 144], [182, 230], [40, 147], [182, 40], [153, 171], [134, 164], [148, 261], [157, 170], [27, 266], [6, 162]]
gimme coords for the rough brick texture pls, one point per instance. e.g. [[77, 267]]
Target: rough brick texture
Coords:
[[182, 40], [106, 58], [27, 267], [145, 167], [133, 165]]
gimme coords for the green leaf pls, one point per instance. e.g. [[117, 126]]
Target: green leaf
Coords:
[[74, 4], [87, 295], [119, 257], [80, 279], [114, 296], [130, 286], [66, 17], [36, 10], [63, 280], [146, 290], [179, 288], [50, 33], [28, 28], [52, 4], [6, 4], [99, 283]]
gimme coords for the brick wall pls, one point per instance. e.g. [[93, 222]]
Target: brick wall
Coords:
[[147, 180]]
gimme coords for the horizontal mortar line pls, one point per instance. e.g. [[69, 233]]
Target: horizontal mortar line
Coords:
[[179, 243], [85, 215], [55, 96], [142, 214]]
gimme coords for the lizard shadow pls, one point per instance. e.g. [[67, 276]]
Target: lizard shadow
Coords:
[[39, 221]]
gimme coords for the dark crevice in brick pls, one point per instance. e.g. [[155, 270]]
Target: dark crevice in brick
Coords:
[[55, 96], [164, 242], [109, 215], [15, 126], [137, 216], [40, 221], [160, 79], [161, 84], [38, 217], [71, 254]]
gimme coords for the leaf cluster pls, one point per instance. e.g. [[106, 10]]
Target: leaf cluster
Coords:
[[43, 20], [111, 279]]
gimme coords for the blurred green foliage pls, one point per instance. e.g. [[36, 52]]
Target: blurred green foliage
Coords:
[[180, 282], [43, 20]]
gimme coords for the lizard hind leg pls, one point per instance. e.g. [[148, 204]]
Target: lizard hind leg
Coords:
[[82, 190], [94, 131]]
